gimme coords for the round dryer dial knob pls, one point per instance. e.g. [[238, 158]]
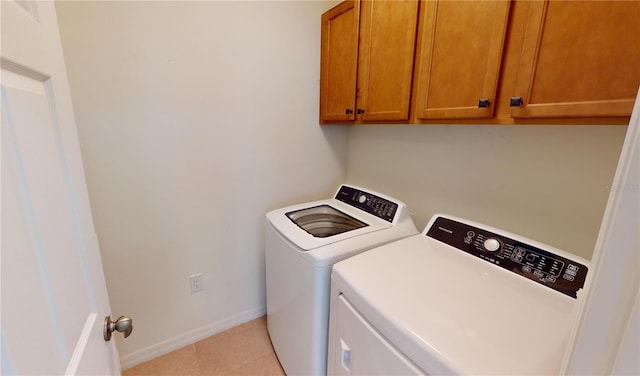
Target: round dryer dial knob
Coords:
[[492, 245], [362, 199]]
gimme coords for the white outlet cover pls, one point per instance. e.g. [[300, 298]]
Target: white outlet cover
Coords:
[[197, 282]]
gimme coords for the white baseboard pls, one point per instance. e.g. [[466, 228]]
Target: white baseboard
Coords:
[[188, 338]]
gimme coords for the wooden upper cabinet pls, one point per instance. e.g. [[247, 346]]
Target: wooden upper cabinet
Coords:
[[458, 63], [468, 61], [338, 62], [369, 81], [579, 59], [385, 63]]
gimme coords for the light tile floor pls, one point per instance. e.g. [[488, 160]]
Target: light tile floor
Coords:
[[242, 350]]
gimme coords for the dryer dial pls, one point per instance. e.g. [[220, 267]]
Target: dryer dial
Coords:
[[492, 245]]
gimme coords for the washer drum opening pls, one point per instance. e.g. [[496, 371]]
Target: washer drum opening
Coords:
[[324, 221]]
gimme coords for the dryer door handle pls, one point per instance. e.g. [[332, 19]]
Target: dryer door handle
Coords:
[[345, 356]]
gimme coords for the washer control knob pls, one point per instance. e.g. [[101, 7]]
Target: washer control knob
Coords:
[[362, 199], [492, 245]]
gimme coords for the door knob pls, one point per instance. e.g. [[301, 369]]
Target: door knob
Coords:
[[123, 325]]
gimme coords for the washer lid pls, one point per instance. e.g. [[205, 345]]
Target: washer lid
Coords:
[[451, 312]]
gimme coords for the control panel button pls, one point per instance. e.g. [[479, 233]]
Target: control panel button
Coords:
[[492, 245], [362, 199]]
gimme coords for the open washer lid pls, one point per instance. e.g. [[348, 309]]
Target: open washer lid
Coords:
[[453, 311]]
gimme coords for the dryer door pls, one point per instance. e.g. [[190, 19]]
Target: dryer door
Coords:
[[356, 348]]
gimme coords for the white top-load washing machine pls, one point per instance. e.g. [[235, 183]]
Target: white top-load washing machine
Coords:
[[460, 298], [302, 244]]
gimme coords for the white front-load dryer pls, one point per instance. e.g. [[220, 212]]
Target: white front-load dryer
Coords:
[[459, 298], [302, 243]]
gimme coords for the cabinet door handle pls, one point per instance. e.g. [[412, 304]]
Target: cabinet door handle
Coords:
[[360, 111], [484, 102], [515, 101], [348, 111]]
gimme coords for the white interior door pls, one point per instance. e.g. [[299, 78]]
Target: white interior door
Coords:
[[54, 298], [606, 339]]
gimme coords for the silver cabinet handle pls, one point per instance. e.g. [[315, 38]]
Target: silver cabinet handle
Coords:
[[123, 325]]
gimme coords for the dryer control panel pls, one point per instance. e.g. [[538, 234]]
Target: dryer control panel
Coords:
[[368, 202], [549, 269]]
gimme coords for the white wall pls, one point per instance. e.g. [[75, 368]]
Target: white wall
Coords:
[[195, 118], [548, 183]]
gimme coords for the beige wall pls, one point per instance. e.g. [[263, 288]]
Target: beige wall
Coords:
[[195, 118], [548, 183]]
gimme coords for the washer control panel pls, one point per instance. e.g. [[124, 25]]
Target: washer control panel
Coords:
[[541, 266], [368, 202]]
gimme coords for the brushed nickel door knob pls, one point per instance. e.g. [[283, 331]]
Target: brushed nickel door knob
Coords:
[[123, 324]]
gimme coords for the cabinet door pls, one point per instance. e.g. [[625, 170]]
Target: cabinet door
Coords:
[[385, 64], [339, 58], [461, 45], [579, 58]]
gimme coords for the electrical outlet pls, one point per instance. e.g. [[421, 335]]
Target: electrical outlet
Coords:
[[197, 282]]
